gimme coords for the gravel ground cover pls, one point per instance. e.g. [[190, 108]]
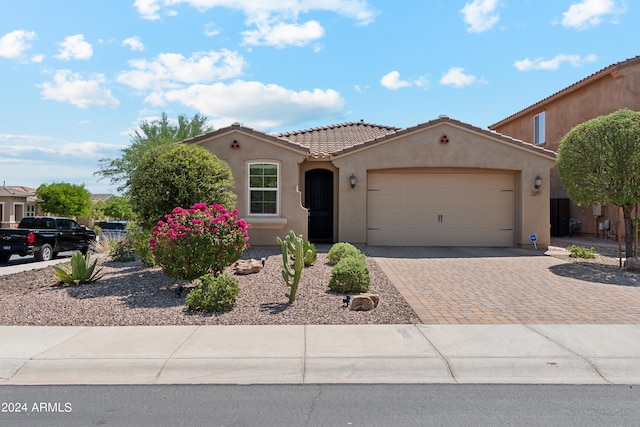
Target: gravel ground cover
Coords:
[[132, 294]]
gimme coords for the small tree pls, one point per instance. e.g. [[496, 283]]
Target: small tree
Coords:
[[151, 134], [118, 207], [179, 175], [64, 199], [599, 164]]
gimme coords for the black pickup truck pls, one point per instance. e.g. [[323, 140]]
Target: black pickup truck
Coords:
[[44, 237]]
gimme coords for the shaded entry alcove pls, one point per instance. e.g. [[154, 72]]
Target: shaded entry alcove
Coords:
[[318, 199]]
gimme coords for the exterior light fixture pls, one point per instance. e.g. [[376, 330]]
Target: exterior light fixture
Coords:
[[538, 182], [352, 180]]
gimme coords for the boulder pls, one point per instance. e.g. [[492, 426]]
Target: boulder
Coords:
[[364, 302], [244, 266]]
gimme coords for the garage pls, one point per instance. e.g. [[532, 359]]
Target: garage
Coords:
[[441, 208]]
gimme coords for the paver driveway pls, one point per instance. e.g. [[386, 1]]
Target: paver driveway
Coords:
[[506, 286]]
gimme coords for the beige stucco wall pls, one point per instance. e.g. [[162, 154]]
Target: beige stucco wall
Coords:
[[292, 215], [605, 95], [465, 149]]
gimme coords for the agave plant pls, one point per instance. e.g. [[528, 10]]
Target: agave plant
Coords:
[[81, 271]]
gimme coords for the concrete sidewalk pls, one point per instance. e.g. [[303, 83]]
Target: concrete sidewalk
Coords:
[[522, 354]]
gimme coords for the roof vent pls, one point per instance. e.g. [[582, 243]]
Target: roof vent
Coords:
[[236, 124], [443, 116]]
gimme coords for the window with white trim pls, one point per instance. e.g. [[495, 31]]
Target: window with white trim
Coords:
[[538, 129], [263, 188]]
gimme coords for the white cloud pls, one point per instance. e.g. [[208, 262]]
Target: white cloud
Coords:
[[274, 105], [13, 44], [357, 10], [148, 8], [553, 63], [169, 70], [480, 15], [281, 34], [134, 44], [70, 87], [392, 81], [211, 30], [456, 77], [272, 22], [75, 47], [589, 13]]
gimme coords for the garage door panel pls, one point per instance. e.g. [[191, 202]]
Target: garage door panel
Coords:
[[441, 209]]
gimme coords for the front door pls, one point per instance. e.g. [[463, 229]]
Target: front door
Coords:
[[318, 197]]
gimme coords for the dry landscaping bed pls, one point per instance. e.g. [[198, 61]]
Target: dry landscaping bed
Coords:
[[132, 294]]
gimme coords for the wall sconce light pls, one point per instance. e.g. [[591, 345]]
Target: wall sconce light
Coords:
[[538, 182], [352, 180]]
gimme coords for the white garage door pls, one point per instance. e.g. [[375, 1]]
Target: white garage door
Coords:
[[405, 209]]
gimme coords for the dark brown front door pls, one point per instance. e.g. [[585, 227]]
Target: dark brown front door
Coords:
[[319, 201]]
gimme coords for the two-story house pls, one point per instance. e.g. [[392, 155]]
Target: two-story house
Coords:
[[547, 121]]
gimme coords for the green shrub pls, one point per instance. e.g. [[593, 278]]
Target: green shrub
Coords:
[[342, 250], [190, 243], [350, 274], [81, 271], [214, 293], [121, 250], [581, 251], [140, 241]]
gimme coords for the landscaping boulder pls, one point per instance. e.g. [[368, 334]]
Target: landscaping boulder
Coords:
[[364, 302], [244, 266]]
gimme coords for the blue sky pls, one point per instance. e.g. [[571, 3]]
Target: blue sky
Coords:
[[78, 76]]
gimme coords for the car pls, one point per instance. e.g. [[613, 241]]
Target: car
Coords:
[[113, 230], [43, 237]]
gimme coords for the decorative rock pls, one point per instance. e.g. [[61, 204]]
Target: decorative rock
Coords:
[[364, 302], [632, 264], [244, 266]]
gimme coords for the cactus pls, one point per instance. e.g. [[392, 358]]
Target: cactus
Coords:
[[310, 253], [292, 247]]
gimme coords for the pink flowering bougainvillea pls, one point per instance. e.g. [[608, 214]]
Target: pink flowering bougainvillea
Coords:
[[190, 243]]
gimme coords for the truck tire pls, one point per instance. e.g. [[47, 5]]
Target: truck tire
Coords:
[[45, 253], [4, 258]]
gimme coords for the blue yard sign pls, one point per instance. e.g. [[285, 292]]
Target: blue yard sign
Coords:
[[534, 238]]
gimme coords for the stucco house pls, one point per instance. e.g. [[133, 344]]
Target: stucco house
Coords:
[[440, 183], [547, 121], [16, 202]]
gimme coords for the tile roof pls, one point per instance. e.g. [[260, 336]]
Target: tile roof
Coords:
[[6, 190], [326, 140], [595, 76]]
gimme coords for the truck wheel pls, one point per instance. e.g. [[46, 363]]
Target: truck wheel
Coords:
[[45, 253], [4, 258]]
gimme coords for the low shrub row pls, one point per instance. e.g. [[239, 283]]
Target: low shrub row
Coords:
[[350, 273]]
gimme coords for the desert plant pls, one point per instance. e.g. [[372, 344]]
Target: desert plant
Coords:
[[81, 271], [203, 239], [581, 252], [292, 247], [121, 250], [350, 274], [310, 253], [140, 240], [342, 250], [213, 293]]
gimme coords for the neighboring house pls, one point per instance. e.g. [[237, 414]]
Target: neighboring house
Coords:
[[547, 121], [440, 183], [15, 203]]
